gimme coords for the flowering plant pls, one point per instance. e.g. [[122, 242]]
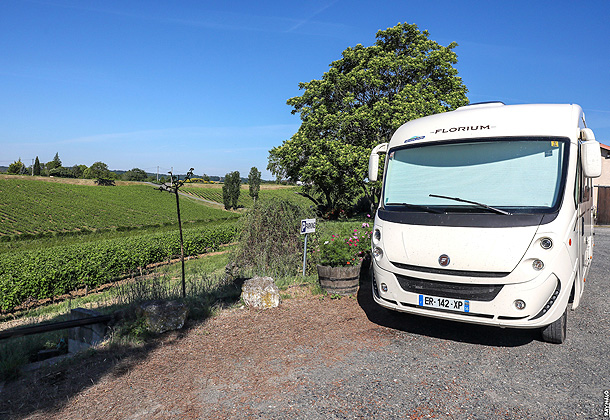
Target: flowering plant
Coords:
[[345, 248]]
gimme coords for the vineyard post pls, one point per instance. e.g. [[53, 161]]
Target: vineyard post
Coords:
[[173, 188], [181, 244]]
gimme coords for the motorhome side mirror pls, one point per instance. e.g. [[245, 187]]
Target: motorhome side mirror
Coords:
[[373, 166], [374, 160], [591, 158], [590, 154]]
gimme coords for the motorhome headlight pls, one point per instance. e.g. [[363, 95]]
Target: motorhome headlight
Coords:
[[546, 243], [377, 253], [377, 235], [538, 265], [519, 304]]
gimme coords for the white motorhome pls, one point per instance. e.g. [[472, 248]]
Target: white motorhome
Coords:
[[486, 215]]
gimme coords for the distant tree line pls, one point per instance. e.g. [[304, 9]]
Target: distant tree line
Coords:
[[98, 170]]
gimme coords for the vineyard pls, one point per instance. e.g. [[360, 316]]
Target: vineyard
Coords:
[[29, 207], [214, 193], [56, 237], [48, 272]]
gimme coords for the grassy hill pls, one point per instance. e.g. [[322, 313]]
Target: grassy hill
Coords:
[[31, 206]]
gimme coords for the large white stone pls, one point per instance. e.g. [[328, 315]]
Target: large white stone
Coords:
[[260, 293]]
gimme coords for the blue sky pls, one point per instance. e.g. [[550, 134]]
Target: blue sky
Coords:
[[179, 84]]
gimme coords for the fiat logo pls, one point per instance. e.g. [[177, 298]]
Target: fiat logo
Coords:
[[444, 260]]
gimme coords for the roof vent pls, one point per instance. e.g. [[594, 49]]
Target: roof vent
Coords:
[[482, 105]]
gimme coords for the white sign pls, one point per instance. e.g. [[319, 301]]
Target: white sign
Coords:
[[308, 226]]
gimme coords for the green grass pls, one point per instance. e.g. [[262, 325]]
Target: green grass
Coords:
[[18, 351], [31, 207]]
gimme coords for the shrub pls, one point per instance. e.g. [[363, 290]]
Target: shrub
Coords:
[[270, 241]]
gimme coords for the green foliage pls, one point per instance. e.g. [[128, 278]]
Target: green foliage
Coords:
[[62, 172], [55, 163], [16, 167], [38, 208], [37, 167], [78, 171], [135, 174], [254, 182], [98, 170], [12, 359], [132, 330], [17, 352], [231, 190], [347, 245], [364, 97], [52, 271], [270, 242], [105, 182]]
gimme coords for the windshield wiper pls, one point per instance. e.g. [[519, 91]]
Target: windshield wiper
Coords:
[[485, 206], [415, 206]]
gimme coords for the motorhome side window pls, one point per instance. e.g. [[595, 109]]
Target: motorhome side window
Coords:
[[577, 190], [515, 174]]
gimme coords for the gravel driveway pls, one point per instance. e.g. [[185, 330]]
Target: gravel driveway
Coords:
[[319, 358]]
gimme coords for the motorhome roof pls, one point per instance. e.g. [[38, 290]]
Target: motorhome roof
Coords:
[[492, 120]]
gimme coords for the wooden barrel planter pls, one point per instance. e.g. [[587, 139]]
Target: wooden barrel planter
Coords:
[[339, 280]]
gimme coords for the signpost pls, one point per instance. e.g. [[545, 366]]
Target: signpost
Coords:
[[307, 226]]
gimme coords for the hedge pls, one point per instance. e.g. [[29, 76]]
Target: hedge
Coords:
[[54, 271]]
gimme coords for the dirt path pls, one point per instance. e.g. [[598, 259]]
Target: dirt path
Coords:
[[222, 368]]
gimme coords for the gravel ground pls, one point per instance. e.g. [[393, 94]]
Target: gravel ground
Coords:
[[315, 358]]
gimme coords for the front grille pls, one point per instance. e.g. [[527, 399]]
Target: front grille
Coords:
[[478, 292], [461, 273]]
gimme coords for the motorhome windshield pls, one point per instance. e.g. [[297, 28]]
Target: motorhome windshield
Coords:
[[516, 175]]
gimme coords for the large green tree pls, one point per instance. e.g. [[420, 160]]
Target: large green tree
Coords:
[[78, 171], [16, 167], [98, 170], [135, 174], [359, 102], [55, 163]]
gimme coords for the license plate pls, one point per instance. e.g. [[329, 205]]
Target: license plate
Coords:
[[444, 303]]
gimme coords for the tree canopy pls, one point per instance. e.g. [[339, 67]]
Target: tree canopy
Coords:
[[55, 163], [231, 190], [359, 102], [16, 167], [254, 182], [98, 170], [37, 168], [135, 174]]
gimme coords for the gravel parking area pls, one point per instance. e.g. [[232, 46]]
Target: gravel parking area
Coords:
[[315, 358]]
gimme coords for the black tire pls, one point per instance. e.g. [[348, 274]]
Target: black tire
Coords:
[[556, 332]]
